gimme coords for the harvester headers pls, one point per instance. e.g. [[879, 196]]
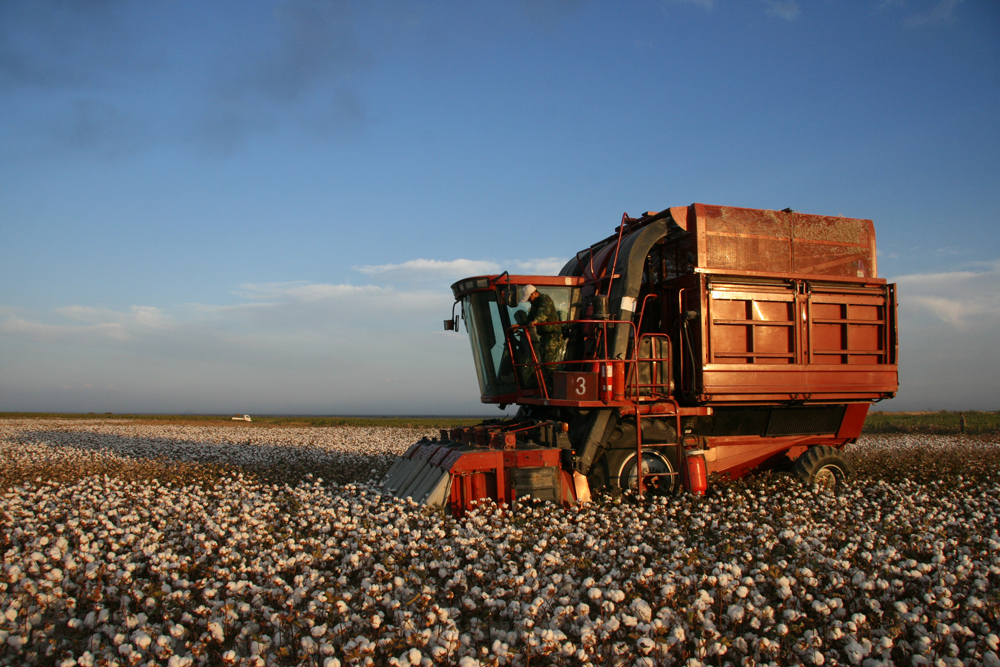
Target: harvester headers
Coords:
[[495, 461]]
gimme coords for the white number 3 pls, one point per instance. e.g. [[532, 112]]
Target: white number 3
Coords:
[[581, 385]]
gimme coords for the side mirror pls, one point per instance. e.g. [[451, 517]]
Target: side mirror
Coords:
[[452, 324], [508, 296]]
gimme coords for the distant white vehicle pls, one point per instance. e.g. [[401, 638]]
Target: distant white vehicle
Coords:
[[244, 418]]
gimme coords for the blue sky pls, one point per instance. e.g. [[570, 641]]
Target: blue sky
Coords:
[[259, 206]]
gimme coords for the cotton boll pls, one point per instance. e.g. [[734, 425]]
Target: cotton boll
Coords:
[[215, 630], [735, 613], [642, 610], [285, 541]]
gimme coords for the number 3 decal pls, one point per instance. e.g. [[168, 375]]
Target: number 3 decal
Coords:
[[581, 385]]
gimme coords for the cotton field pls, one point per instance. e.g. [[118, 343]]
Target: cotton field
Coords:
[[127, 544]]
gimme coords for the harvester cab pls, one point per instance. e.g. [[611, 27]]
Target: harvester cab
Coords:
[[512, 350], [692, 341]]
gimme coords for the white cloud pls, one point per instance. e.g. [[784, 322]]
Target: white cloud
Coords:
[[39, 331], [421, 270], [430, 269], [948, 357], [297, 346], [548, 266], [942, 12], [786, 9], [84, 324], [962, 299], [704, 4], [277, 312], [148, 316], [950, 311], [282, 316], [305, 291], [294, 347], [355, 349]]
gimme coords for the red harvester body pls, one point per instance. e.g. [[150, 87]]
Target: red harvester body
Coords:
[[698, 341]]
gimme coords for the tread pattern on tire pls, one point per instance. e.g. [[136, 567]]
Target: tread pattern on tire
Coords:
[[816, 457]]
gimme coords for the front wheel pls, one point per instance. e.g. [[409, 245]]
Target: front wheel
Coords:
[[824, 468], [661, 479]]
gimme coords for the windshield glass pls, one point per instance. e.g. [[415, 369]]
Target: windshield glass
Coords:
[[486, 332], [487, 321]]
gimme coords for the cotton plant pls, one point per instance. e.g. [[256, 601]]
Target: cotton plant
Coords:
[[129, 544]]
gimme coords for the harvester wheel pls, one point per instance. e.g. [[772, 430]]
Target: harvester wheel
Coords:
[[615, 471], [652, 464], [824, 468]]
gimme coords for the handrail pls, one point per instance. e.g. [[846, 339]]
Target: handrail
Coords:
[[642, 309], [655, 361], [618, 247], [680, 338], [602, 355]]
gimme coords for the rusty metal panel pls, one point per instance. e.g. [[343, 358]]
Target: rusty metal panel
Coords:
[[727, 383], [851, 328], [541, 483], [778, 242], [747, 326], [747, 240], [831, 260], [791, 340]]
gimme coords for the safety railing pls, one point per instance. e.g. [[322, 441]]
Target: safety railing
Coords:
[[633, 385]]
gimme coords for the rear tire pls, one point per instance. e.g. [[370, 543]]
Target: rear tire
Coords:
[[824, 468]]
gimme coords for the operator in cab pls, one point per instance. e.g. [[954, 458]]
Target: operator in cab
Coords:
[[547, 339]]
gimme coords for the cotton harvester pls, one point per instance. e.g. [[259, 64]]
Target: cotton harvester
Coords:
[[694, 343]]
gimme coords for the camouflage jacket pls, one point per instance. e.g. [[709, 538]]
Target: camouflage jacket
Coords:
[[544, 310]]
